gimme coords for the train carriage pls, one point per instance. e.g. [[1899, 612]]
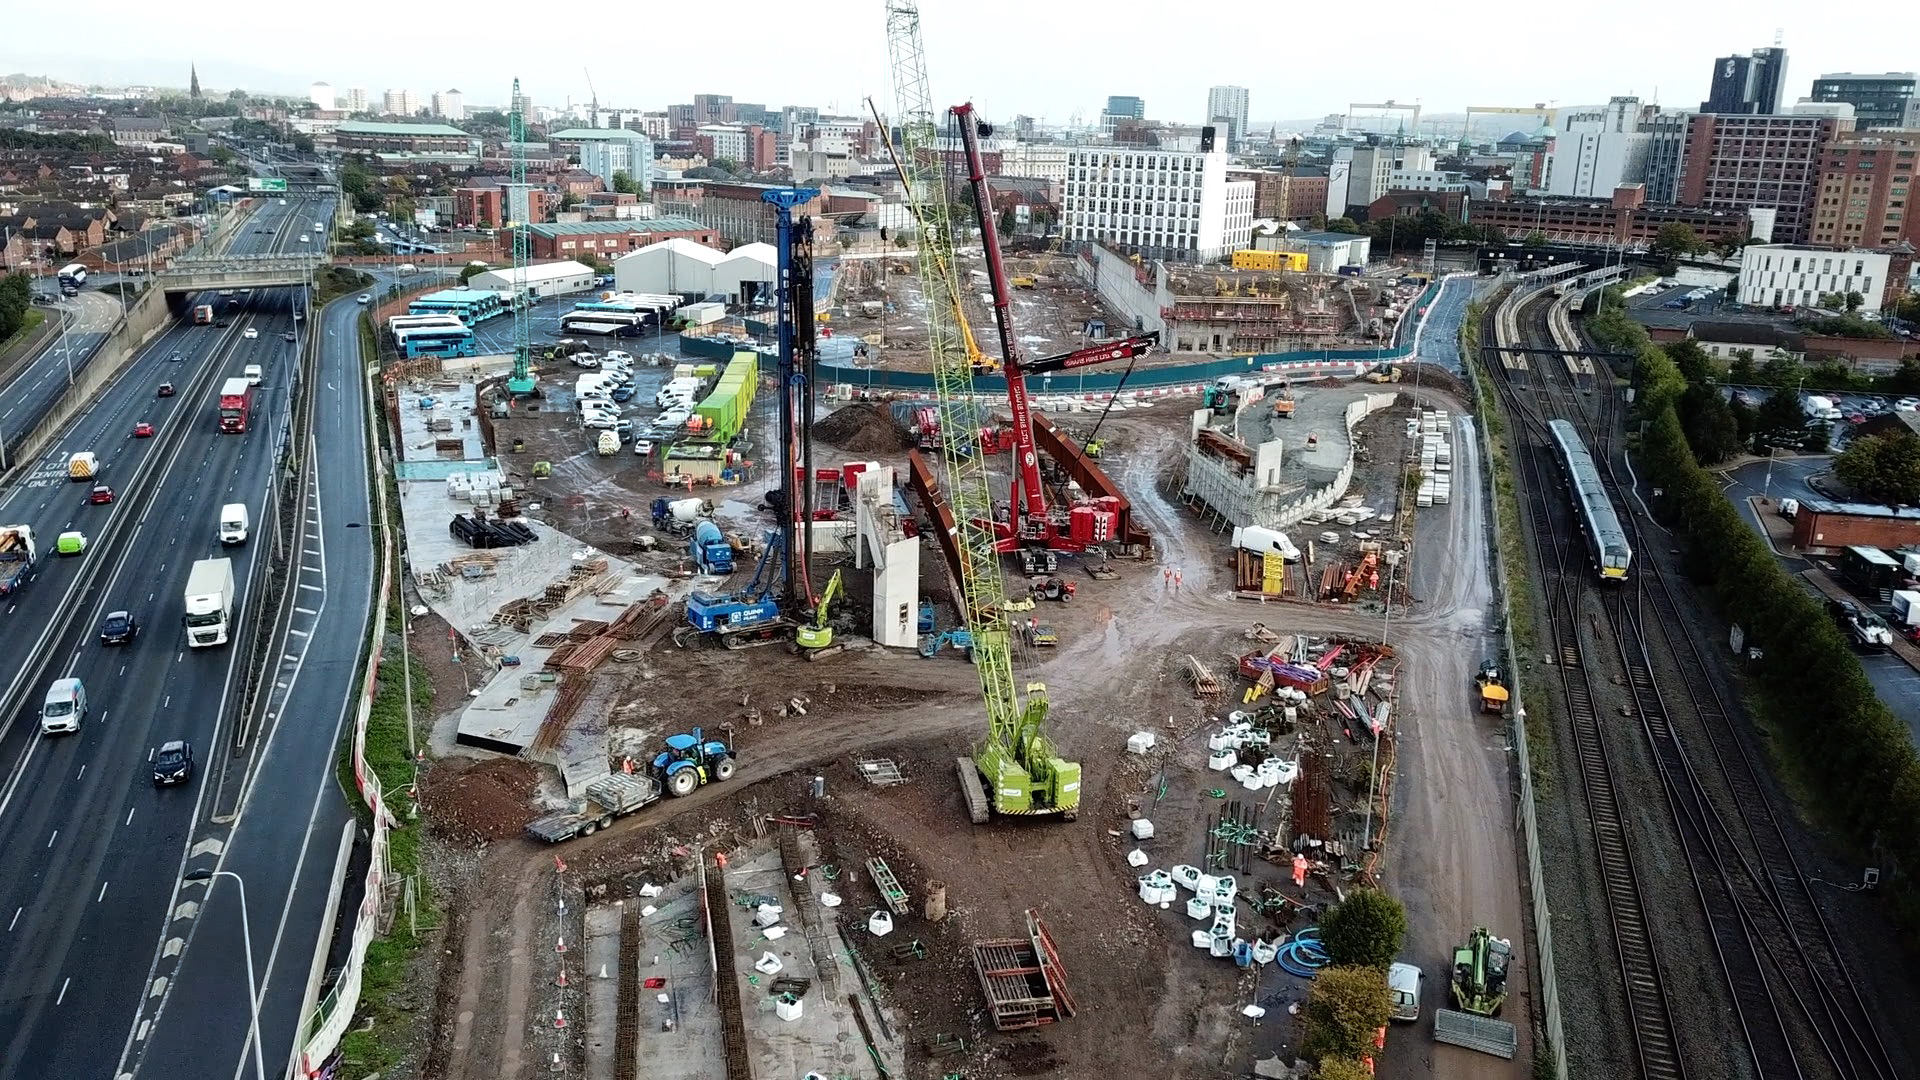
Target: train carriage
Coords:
[[1606, 541]]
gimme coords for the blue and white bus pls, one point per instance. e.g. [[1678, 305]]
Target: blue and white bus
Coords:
[[398, 323], [72, 277], [470, 306], [440, 341], [625, 314]]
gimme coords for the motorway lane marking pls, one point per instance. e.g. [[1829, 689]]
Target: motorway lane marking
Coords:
[[55, 836], [83, 768], [103, 893], [63, 990], [16, 919], [129, 820], [305, 610], [315, 588]]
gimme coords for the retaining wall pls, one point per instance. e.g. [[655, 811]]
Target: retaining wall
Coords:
[[1239, 499], [145, 317]]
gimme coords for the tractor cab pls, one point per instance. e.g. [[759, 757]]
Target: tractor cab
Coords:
[[692, 760], [1493, 689]]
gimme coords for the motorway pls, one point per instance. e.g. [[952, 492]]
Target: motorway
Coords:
[[27, 397], [91, 852]]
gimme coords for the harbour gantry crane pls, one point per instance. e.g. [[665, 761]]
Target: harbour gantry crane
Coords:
[[1033, 523], [519, 208], [1017, 761]]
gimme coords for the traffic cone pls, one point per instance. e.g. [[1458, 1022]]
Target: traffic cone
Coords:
[[561, 979], [560, 945], [603, 971], [558, 866], [559, 1019]]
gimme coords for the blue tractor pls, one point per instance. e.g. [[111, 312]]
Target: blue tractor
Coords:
[[691, 760]]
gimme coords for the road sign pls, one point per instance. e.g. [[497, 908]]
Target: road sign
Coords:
[[255, 183]]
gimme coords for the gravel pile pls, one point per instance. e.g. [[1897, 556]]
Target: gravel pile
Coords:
[[476, 801]]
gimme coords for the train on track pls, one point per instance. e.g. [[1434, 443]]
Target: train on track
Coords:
[[1607, 546]]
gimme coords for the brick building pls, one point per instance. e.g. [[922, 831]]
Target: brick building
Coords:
[[609, 240], [1451, 204], [1866, 190], [486, 204], [1772, 162], [736, 211], [1627, 218], [356, 135]]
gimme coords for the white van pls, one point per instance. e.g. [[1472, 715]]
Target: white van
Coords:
[[254, 373], [1403, 983], [64, 708], [233, 523]]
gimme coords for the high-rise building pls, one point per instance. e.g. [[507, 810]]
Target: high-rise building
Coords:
[[1371, 174], [1666, 133], [355, 99], [1597, 150], [400, 103], [712, 108], [321, 94], [1735, 163], [1879, 101], [1122, 107], [449, 105], [1747, 85], [1160, 204], [1866, 191], [1228, 105], [634, 156]]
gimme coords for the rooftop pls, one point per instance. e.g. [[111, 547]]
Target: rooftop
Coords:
[[1854, 509], [1325, 237], [552, 271], [592, 134], [620, 228], [364, 127], [1746, 333], [680, 245]]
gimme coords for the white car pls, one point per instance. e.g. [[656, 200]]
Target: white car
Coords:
[[642, 447], [606, 421], [303, 238], [250, 333], [673, 419], [616, 354]]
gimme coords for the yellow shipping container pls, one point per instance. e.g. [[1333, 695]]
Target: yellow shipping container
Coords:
[[1251, 259]]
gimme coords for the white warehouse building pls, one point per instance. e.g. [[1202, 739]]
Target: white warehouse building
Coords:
[[1161, 204], [543, 279], [681, 267], [1782, 275]]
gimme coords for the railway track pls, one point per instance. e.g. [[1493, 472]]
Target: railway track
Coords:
[[1796, 1005], [1656, 1041]]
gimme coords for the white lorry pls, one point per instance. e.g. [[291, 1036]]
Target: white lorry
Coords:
[[209, 603]]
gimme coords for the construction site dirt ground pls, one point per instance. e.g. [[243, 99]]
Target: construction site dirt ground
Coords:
[[1148, 1003]]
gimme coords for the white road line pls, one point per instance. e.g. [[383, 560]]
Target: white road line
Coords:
[[63, 990], [55, 836], [103, 893], [16, 919], [129, 820]]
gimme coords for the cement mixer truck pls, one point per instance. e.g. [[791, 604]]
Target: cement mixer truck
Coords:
[[679, 516], [710, 550]]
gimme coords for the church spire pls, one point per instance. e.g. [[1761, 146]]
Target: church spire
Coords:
[[193, 85]]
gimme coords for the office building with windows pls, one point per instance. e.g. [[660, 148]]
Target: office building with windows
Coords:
[[1160, 204]]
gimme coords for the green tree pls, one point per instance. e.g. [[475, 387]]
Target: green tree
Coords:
[[1677, 238], [1691, 359], [1345, 1006], [468, 271], [1733, 288], [302, 143], [237, 97], [222, 155], [16, 296], [1709, 423], [569, 201], [1343, 225], [1535, 239], [624, 184], [1907, 307], [1884, 468], [1364, 930], [1782, 420], [1342, 1068], [1853, 301], [726, 165]]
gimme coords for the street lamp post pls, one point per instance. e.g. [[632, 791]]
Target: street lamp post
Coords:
[[246, 941]]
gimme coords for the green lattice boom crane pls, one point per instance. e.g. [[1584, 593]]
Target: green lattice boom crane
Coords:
[[1022, 770], [519, 207]]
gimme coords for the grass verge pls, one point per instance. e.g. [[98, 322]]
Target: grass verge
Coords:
[[28, 324], [333, 282], [386, 1021]]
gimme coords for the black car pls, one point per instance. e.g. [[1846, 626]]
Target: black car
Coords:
[[173, 763], [119, 629]]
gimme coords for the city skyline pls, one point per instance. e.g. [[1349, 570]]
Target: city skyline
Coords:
[[973, 56]]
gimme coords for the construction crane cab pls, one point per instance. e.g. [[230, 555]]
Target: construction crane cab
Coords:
[[1479, 982], [1024, 771]]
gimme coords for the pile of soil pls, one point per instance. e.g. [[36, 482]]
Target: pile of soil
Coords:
[[475, 801], [863, 428]]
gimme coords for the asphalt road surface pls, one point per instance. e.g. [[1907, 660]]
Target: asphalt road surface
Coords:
[[91, 852], [27, 397]]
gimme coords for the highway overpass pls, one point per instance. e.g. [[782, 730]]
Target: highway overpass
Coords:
[[197, 273]]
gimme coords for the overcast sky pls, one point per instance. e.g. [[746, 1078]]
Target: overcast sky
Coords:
[[1046, 60]]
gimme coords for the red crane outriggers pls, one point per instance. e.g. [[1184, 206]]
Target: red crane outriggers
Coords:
[[1034, 523]]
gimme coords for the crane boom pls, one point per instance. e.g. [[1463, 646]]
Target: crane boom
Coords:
[[1033, 523], [1022, 771]]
